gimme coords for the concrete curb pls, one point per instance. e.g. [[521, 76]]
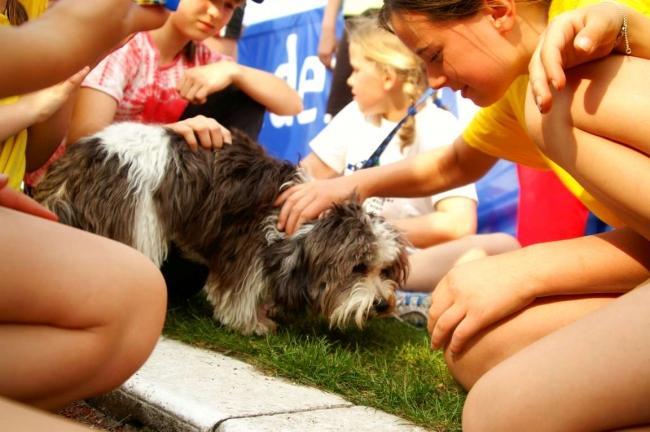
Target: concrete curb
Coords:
[[186, 389]]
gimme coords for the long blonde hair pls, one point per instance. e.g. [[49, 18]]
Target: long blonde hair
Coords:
[[387, 51]]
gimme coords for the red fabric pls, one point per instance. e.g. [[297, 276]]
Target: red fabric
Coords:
[[547, 210]]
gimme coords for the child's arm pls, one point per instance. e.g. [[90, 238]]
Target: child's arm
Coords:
[[474, 295], [597, 131], [327, 41], [454, 217], [267, 89], [199, 130], [66, 38], [582, 35], [93, 111], [426, 174], [316, 168], [46, 135]]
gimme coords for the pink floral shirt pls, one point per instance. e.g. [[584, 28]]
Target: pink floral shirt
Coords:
[[145, 90]]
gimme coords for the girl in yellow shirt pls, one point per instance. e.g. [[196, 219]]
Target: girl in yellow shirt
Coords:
[[552, 336]]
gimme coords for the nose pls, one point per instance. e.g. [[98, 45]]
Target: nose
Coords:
[[213, 11], [350, 81], [380, 305]]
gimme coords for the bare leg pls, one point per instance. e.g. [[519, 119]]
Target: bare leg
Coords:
[[78, 313], [430, 265], [505, 338], [590, 375], [16, 417]]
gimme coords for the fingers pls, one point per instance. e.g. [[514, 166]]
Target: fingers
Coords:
[[289, 200], [444, 326], [21, 202], [77, 78], [203, 131]]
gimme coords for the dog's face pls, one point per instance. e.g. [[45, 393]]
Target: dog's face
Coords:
[[346, 266]]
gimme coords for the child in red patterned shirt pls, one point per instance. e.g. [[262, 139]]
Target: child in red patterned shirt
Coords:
[[157, 75]]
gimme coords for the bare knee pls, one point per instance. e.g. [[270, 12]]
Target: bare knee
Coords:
[[134, 325], [500, 243], [468, 367]]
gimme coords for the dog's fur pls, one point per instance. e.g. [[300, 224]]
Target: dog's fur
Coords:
[[143, 186]]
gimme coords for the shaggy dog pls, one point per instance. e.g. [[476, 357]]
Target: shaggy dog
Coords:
[[143, 186]]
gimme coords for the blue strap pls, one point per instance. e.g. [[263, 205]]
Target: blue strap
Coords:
[[373, 160]]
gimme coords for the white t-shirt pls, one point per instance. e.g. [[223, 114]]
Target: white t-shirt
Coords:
[[349, 139]]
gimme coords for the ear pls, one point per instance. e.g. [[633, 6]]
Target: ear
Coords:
[[286, 268], [390, 78], [501, 14]]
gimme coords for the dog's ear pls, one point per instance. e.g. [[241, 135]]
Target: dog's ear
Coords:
[[287, 270]]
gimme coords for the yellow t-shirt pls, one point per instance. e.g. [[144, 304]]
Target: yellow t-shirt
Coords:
[[12, 150], [500, 129]]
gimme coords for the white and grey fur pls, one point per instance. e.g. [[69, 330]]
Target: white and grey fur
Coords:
[[143, 186]]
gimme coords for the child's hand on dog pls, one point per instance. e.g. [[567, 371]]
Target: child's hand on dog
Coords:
[[201, 130], [306, 201]]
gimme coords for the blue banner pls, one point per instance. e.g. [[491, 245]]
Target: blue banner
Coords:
[[288, 47]]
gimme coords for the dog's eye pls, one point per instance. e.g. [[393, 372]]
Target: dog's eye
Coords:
[[360, 268], [386, 273]]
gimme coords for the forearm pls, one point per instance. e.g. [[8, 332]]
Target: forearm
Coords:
[[78, 31], [267, 89], [612, 262], [15, 117], [45, 137], [330, 14], [426, 174], [434, 228]]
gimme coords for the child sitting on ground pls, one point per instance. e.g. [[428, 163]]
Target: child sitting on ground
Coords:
[[386, 79], [558, 324], [168, 74], [78, 313]]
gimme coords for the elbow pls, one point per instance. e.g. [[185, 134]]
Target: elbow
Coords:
[[290, 105]]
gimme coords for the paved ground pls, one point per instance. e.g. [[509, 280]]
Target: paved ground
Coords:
[[182, 388], [86, 414]]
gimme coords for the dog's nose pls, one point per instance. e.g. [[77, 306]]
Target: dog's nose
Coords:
[[380, 305]]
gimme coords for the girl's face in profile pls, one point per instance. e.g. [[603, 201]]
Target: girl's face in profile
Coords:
[[469, 55], [366, 83], [200, 19]]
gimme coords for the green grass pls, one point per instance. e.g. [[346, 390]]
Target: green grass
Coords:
[[387, 365]]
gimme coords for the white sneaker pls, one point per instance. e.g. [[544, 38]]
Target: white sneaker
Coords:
[[412, 307]]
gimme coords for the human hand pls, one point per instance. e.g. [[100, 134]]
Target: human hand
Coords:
[[306, 201], [326, 47], [474, 295], [207, 132], [42, 104], [18, 201], [570, 39], [201, 81]]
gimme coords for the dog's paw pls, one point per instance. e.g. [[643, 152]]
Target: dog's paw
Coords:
[[265, 326]]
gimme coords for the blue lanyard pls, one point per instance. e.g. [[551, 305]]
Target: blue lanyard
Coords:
[[373, 160]]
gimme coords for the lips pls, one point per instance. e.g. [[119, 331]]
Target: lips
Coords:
[[206, 26]]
